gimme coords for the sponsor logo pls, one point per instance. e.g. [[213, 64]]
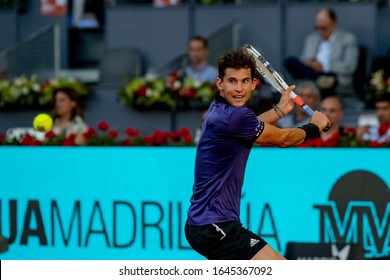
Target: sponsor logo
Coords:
[[341, 254], [253, 242], [358, 212]]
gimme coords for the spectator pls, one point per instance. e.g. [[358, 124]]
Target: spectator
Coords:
[[67, 115], [329, 57], [310, 94], [200, 69], [379, 133], [331, 106]]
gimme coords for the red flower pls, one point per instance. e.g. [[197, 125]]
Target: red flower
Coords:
[[166, 135], [175, 136], [374, 144], [351, 130], [188, 92], [35, 143], [113, 133], [132, 132], [148, 140], [26, 141], [188, 138], [50, 134], [158, 137], [69, 141], [175, 74], [103, 126], [184, 131], [383, 128], [127, 142], [2, 136], [89, 133], [142, 91], [45, 85]]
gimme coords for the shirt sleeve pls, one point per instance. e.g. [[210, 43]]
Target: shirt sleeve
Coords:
[[244, 124]]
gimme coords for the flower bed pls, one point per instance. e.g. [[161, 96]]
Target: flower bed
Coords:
[[379, 84], [177, 90], [27, 93], [103, 135]]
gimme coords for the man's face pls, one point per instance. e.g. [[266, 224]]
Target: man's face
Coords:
[[383, 111], [308, 97], [236, 86], [197, 52], [331, 107], [324, 25]]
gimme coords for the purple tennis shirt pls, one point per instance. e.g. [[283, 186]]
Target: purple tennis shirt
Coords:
[[227, 138]]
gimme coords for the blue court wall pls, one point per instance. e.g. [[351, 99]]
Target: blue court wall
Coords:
[[130, 203]]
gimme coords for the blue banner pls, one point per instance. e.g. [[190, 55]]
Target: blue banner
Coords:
[[131, 203]]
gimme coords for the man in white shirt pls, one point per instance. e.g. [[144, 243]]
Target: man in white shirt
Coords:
[[330, 55], [379, 133], [200, 69]]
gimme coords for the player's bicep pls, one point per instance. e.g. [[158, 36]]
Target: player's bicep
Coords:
[[269, 136]]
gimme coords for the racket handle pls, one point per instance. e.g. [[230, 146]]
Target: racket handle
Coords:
[[307, 110], [310, 113]]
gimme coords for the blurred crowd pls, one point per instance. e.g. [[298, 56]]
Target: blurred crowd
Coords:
[[324, 73]]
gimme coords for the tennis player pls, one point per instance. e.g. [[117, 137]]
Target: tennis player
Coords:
[[230, 129]]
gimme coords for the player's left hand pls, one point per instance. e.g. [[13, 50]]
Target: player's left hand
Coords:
[[285, 103]]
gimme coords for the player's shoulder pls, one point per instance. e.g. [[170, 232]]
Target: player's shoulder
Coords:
[[242, 112]]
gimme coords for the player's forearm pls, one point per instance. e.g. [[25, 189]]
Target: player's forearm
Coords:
[[272, 115], [292, 137], [286, 137]]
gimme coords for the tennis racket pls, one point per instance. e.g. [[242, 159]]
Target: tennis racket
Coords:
[[273, 78]]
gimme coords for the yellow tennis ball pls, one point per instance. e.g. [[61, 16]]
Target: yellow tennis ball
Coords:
[[42, 122]]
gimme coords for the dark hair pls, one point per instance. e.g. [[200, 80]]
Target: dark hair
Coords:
[[385, 97], [200, 38], [71, 93], [331, 13], [236, 59]]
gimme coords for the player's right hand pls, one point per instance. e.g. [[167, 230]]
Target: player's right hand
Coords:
[[320, 120]]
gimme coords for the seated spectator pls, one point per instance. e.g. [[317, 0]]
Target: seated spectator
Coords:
[[379, 133], [330, 55], [310, 95], [331, 106], [67, 115], [199, 68]]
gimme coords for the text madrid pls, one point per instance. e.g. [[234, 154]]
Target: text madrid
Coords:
[[116, 224]]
